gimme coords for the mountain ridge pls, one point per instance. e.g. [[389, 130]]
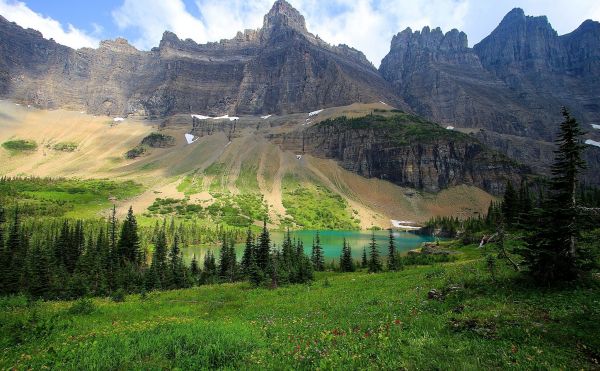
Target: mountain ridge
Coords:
[[506, 91]]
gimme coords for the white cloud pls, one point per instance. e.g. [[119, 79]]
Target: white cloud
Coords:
[[19, 13], [367, 25], [152, 17]]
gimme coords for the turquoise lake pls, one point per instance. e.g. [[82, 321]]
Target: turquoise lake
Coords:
[[331, 241]]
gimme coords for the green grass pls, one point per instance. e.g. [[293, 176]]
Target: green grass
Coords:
[[313, 206], [341, 321], [241, 210], [400, 128], [191, 185], [20, 145], [247, 181], [76, 198]]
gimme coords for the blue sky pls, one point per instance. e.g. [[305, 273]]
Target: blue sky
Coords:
[[367, 25]]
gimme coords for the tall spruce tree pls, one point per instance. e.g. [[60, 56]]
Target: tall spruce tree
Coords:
[[364, 262], [346, 261], [159, 260], [128, 246], [263, 250], [317, 258], [392, 254], [4, 256], [551, 253], [248, 255], [177, 273], [374, 261], [16, 248], [510, 205]]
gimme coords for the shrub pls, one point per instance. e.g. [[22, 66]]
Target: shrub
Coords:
[[158, 140], [136, 152], [19, 145], [118, 296], [65, 146], [82, 306]]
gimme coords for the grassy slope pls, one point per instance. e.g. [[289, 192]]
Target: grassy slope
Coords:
[[343, 321], [71, 144]]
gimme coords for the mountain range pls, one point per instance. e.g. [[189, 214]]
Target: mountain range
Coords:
[[506, 92]]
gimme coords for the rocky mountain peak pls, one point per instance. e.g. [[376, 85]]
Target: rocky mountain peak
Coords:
[[119, 45], [429, 39], [282, 14]]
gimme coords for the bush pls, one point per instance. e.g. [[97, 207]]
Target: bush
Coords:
[[82, 306], [20, 145], [118, 296], [65, 146], [136, 152], [158, 140]]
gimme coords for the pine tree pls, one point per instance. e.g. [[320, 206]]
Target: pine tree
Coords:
[[159, 260], [364, 261], [551, 253], [39, 275], [4, 255], [128, 246], [263, 251], [374, 263], [510, 205], [248, 255], [209, 272], [392, 254], [256, 275], [16, 248], [195, 269], [346, 261], [177, 274], [317, 257]]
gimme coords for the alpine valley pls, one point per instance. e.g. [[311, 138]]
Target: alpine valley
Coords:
[[273, 201]]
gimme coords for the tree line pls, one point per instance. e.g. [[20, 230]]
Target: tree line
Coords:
[[70, 259]]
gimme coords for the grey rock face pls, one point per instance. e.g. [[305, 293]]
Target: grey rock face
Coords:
[[406, 151], [512, 84], [277, 69]]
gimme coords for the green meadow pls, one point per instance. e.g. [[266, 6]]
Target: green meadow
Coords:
[[392, 320]]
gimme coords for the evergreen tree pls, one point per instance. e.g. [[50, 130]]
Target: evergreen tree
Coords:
[[346, 261], [392, 254], [286, 265], [177, 273], [4, 255], [39, 275], [209, 272], [128, 246], [263, 250], [159, 261], [248, 255], [317, 258], [256, 275], [195, 269], [16, 246], [374, 263], [551, 253], [510, 205], [364, 263]]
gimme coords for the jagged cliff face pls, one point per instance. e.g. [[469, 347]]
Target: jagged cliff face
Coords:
[[512, 84], [407, 151], [276, 69]]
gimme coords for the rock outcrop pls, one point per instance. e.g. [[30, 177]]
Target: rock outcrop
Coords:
[[407, 151]]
